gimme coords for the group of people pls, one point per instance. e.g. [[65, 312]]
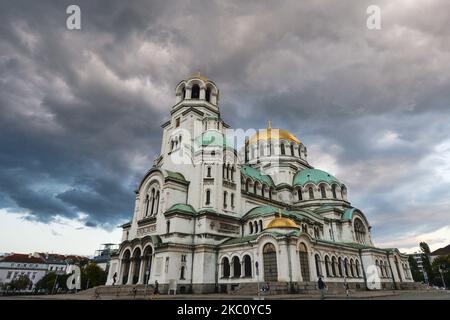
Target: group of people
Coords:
[[265, 288], [155, 290]]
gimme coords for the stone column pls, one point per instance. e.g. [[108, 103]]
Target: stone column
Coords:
[[130, 271], [188, 92], [141, 271], [202, 94]]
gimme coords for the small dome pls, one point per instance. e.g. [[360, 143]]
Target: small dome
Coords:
[[281, 222], [315, 176], [197, 75], [272, 134]]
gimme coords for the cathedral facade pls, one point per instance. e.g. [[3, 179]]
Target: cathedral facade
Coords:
[[227, 211]]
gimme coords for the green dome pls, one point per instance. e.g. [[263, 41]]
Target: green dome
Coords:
[[212, 138], [313, 175]]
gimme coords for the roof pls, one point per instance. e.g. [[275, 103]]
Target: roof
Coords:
[[256, 174], [272, 134], [254, 236], [315, 176], [197, 75], [22, 258], [441, 251], [295, 215], [186, 208], [281, 222], [348, 214], [212, 138], [175, 175]]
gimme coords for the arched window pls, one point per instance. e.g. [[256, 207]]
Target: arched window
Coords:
[[236, 267], [318, 266], [261, 150], [292, 150], [327, 266], [262, 190], [247, 266], [225, 199], [300, 196], [311, 193], [270, 193], [168, 226], [260, 225], [347, 274], [352, 270], [232, 200], [225, 268], [147, 201], [153, 201], [247, 185], [208, 94], [182, 273], [183, 93], [357, 269], [224, 170], [360, 231], [255, 188], [250, 225], [341, 274], [195, 93], [333, 266], [256, 226], [208, 172], [228, 172], [333, 189], [157, 203], [232, 173], [282, 149], [323, 192], [208, 197], [299, 151]]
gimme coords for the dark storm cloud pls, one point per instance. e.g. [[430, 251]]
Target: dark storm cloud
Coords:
[[81, 110]]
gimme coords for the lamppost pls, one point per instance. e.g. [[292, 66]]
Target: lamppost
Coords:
[[442, 277], [257, 279]]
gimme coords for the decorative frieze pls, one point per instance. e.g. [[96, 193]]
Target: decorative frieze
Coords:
[[146, 230]]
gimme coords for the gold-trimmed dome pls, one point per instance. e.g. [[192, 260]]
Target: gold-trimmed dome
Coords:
[[272, 134], [280, 222]]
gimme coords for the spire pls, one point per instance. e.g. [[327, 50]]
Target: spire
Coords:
[[269, 124]]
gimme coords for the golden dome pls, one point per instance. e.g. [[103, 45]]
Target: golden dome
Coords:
[[272, 134], [281, 222]]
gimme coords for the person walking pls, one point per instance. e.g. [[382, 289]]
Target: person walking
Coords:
[[114, 278], [347, 289], [156, 291], [322, 286]]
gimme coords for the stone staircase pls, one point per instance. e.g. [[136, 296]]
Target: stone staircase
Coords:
[[120, 291], [251, 288]]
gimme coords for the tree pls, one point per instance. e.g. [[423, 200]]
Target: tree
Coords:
[[415, 271], [92, 275], [22, 282], [441, 263], [52, 283], [426, 260]]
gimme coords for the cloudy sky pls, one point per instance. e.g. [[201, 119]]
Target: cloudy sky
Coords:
[[80, 110]]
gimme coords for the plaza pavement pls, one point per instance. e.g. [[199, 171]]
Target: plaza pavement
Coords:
[[365, 295]]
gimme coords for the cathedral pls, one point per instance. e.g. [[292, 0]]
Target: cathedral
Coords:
[[225, 210]]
